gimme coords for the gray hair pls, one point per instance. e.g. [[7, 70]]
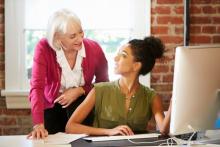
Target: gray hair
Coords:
[[58, 23]]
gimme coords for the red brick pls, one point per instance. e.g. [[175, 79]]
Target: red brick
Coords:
[[195, 29], [200, 39], [215, 2], [179, 30], [172, 39], [160, 69], [218, 29], [1, 19], [216, 39], [2, 76], [167, 78], [169, 19], [155, 78], [195, 10], [2, 48], [218, 9], [2, 2], [161, 10], [7, 121], [16, 131], [167, 59], [200, 20], [209, 10], [200, 1], [2, 83], [24, 121], [209, 29], [159, 30], [179, 10], [2, 66], [163, 19], [2, 10], [17, 112], [169, 2], [177, 20], [216, 20], [2, 28]]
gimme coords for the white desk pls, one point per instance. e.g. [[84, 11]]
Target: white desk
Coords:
[[22, 141]]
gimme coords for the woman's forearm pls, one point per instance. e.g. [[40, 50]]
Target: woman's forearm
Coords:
[[166, 122], [76, 128]]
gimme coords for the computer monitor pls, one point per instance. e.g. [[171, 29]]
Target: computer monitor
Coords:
[[195, 97]]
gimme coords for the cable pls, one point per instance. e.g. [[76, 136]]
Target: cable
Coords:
[[143, 142], [169, 141], [190, 138]]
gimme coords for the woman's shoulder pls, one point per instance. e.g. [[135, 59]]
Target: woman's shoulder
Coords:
[[91, 45], [89, 41], [43, 45], [43, 48], [105, 84], [147, 90], [43, 41]]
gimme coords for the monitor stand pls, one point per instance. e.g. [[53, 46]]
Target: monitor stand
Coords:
[[187, 136], [208, 137]]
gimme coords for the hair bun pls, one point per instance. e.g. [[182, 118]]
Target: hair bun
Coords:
[[155, 46]]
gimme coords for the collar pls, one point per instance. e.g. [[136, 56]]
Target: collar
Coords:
[[82, 51]]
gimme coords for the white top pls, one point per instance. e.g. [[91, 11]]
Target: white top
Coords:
[[71, 77]]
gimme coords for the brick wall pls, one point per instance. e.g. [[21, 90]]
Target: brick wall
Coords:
[[167, 23]]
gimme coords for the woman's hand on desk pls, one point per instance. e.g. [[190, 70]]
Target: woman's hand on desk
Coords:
[[39, 132], [122, 130]]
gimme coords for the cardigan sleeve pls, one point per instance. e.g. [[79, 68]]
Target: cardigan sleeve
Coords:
[[36, 94], [101, 67], [94, 65]]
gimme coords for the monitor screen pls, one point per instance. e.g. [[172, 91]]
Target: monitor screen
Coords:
[[196, 84]]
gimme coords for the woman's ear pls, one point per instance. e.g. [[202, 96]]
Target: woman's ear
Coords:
[[57, 42], [137, 66]]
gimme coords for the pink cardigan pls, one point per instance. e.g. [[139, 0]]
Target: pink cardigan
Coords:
[[46, 75]]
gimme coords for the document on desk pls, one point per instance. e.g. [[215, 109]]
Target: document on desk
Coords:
[[109, 138], [62, 138]]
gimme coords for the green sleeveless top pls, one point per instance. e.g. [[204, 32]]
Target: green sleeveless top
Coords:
[[110, 107]]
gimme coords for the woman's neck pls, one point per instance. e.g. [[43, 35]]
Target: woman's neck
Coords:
[[71, 57], [128, 85]]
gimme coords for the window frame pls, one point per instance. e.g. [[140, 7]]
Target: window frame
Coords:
[[16, 90]]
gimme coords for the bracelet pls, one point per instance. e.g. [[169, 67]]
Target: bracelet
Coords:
[[36, 126]]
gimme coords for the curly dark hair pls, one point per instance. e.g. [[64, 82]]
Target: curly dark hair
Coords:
[[147, 51]]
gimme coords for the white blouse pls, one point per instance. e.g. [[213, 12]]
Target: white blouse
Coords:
[[71, 77]]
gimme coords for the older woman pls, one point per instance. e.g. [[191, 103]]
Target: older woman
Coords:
[[124, 106], [65, 64]]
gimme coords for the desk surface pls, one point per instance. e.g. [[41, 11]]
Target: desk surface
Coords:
[[21, 141]]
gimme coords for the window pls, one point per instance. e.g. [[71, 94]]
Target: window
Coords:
[[109, 22]]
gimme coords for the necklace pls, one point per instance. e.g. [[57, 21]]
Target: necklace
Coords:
[[128, 92]]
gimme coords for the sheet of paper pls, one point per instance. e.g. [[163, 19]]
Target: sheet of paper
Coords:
[[62, 138], [108, 138]]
